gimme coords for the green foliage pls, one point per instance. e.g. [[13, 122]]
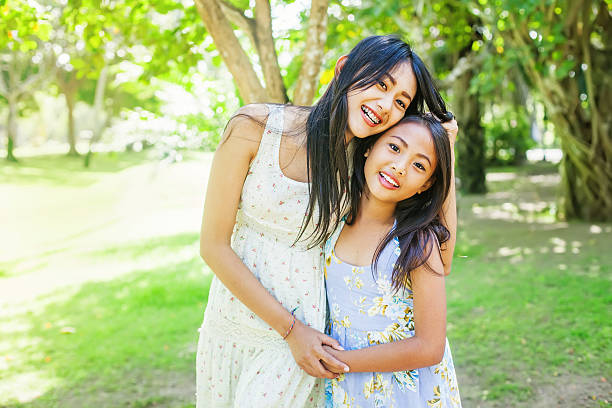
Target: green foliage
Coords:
[[507, 136], [22, 26]]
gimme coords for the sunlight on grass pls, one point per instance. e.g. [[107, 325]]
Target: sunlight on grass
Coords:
[[121, 297], [130, 327]]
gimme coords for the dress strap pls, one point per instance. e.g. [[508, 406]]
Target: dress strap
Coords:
[[269, 146]]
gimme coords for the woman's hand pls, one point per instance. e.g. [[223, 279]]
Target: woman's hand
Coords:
[[307, 346], [335, 353], [451, 128]]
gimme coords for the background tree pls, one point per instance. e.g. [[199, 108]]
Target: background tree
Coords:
[[22, 29], [563, 48], [218, 16]]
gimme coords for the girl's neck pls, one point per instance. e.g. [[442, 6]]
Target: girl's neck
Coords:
[[375, 212]]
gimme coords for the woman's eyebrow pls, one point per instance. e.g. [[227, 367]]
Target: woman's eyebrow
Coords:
[[393, 81]]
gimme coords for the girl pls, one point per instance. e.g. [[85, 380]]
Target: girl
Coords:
[[261, 343], [385, 276]]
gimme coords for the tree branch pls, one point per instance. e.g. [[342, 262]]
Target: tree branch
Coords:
[[236, 16], [469, 62], [233, 55], [275, 86], [316, 37]]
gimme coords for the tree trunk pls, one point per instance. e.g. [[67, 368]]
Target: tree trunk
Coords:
[[11, 126], [275, 87], [313, 54], [215, 14], [576, 104], [69, 95], [470, 145], [102, 120], [233, 55]]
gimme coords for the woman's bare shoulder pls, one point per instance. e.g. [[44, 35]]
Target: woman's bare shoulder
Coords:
[[247, 123], [297, 114]]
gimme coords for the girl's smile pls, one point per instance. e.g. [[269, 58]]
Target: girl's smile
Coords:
[[400, 163], [388, 181]]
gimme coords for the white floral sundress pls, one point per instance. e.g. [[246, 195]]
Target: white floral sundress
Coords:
[[240, 360], [364, 311]]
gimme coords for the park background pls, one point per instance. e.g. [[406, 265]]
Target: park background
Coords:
[[110, 113]]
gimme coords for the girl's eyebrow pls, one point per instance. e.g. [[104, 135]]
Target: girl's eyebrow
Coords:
[[401, 139], [394, 82]]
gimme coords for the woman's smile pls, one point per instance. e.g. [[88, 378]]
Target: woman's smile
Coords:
[[374, 109], [369, 116]]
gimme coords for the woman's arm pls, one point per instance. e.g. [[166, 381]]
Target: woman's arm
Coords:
[[426, 348], [228, 172], [448, 215]]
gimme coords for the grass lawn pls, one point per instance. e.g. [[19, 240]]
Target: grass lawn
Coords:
[[102, 289]]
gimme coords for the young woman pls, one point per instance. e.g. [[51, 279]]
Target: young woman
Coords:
[[385, 276], [276, 188]]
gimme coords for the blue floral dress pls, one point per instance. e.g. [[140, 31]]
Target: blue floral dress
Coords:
[[364, 311]]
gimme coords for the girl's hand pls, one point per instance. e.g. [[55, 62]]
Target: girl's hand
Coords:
[[334, 353], [451, 128], [306, 346]]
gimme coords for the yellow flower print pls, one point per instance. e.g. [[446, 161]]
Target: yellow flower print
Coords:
[[435, 402], [360, 303], [339, 396], [345, 322], [377, 383], [407, 379], [355, 281], [393, 332]]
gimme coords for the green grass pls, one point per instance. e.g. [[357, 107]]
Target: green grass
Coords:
[[133, 338], [529, 302]]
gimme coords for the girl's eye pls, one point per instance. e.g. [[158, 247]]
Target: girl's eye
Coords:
[[401, 104], [382, 85], [394, 147], [419, 166]]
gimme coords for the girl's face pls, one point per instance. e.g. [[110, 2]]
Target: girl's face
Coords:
[[377, 108], [400, 163]]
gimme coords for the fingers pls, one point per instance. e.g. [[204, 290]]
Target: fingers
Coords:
[[330, 341], [317, 369], [333, 363]]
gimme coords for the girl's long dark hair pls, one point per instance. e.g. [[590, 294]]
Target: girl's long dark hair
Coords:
[[367, 63], [417, 217]]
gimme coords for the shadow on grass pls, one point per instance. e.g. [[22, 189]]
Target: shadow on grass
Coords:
[[67, 170], [528, 304], [129, 342]]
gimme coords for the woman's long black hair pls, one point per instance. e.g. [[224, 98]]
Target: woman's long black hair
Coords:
[[417, 217], [367, 63]]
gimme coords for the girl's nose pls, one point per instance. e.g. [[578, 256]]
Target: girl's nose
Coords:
[[398, 169]]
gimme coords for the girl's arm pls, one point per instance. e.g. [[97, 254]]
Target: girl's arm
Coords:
[[426, 348], [449, 208], [228, 172]]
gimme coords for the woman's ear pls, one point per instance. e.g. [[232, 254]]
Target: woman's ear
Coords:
[[340, 64], [367, 153]]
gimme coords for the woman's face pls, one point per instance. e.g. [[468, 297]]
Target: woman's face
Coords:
[[375, 109], [400, 163]]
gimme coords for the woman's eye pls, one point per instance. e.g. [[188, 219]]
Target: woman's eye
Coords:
[[382, 85], [394, 147], [419, 166], [401, 103]]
